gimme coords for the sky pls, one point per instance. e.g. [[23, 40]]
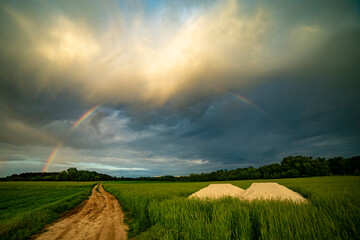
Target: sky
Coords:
[[149, 88]]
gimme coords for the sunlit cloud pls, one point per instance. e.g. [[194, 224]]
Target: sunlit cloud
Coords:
[[67, 43], [222, 45]]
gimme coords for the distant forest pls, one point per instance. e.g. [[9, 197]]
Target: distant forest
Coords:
[[72, 174], [290, 167]]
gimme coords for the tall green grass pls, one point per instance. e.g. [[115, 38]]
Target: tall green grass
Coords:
[[162, 211], [26, 207]]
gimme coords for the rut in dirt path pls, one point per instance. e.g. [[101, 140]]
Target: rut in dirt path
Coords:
[[100, 218]]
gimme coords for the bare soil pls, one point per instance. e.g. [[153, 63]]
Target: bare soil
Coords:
[[214, 191], [258, 191], [100, 218]]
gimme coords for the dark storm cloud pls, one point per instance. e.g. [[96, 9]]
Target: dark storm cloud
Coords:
[[301, 119], [311, 109], [25, 115], [298, 61]]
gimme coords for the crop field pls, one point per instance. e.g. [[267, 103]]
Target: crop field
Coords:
[[26, 207], [163, 211]]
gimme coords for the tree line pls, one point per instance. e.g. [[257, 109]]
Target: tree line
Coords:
[[289, 167], [72, 174]]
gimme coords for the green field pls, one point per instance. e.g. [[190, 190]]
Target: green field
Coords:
[[162, 211], [26, 207]]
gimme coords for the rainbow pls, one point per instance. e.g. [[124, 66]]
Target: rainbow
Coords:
[[74, 126], [241, 98], [52, 156], [84, 117], [245, 100]]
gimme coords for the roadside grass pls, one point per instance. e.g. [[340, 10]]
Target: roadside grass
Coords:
[[27, 206], [162, 211]]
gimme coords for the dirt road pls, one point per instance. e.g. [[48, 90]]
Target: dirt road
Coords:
[[100, 218]]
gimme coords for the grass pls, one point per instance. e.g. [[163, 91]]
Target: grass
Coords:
[[162, 211], [27, 206]]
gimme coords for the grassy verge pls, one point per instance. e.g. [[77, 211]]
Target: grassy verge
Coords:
[[27, 206]]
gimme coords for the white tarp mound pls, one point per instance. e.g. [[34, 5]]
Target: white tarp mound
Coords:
[[267, 191], [214, 191]]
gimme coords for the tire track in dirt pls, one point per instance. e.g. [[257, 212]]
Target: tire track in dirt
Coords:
[[100, 218]]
